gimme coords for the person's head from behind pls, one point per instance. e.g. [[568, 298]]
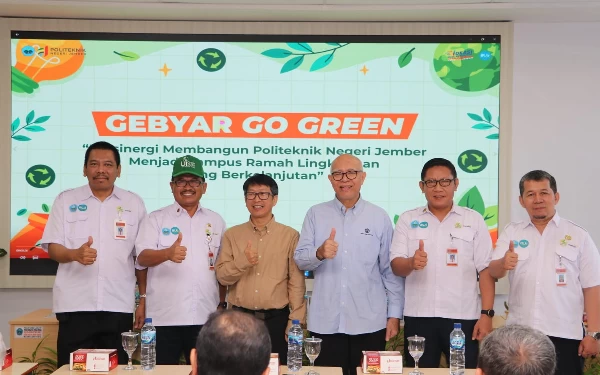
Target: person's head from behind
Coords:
[[516, 350], [538, 195], [102, 166], [261, 194], [232, 343]]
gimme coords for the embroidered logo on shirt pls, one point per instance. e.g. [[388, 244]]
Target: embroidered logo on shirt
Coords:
[[175, 230], [565, 241], [414, 224], [82, 207], [166, 231], [367, 232], [523, 243], [458, 225], [423, 224], [73, 208]]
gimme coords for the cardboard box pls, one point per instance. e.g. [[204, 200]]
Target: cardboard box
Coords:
[[274, 364], [27, 331], [382, 362], [93, 360], [8, 360]]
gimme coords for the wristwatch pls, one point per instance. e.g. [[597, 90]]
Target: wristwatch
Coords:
[[142, 296], [489, 313], [595, 335], [222, 304]]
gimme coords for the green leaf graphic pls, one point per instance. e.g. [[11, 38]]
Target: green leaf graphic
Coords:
[[41, 119], [487, 115], [45, 208], [473, 200], [22, 212], [34, 128], [493, 136], [321, 62], [475, 117], [21, 138], [482, 126], [127, 55], [498, 120], [292, 64], [334, 44], [405, 58], [304, 47], [396, 217], [277, 53], [2, 253], [30, 117], [15, 124], [491, 216]]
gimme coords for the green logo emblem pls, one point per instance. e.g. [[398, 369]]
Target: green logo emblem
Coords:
[[211, 60], [40, 176], [472, 161]]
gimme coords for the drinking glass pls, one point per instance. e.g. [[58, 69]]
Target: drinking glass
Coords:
[[416, 347], [130, 342], [312, 348]]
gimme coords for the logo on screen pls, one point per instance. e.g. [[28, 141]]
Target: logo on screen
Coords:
[[467, 54], [27, 51], [485, 55]]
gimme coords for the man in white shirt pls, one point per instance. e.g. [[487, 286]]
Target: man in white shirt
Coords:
[[440, 249], [554, 271], [91, 233], [179, 244]]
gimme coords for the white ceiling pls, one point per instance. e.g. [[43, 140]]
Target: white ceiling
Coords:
[[310, 10]]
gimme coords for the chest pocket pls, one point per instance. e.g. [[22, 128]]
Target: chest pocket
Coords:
[[463, 240], [567, 255], [77, 224], [166, 240], [414, 236]]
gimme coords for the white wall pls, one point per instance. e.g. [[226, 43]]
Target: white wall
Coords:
[[555, 127]]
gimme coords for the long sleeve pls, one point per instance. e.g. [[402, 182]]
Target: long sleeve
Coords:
[[306, 250], [230, 268], [296, 286], [394, 285]]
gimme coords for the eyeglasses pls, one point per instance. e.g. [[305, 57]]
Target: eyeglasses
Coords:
[[339, 176], [262, 195], [444, 182], [192, 183]]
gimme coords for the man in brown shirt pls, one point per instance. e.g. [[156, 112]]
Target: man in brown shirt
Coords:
[[257, 264]]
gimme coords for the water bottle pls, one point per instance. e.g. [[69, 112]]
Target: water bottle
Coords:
[[457, 350], [148, 345], [295, 341]]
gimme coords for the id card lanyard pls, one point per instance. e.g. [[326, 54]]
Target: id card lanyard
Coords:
[[561, 273], [452, 254], [120, 227]]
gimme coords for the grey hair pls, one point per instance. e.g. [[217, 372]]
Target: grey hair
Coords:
[[517, 350]]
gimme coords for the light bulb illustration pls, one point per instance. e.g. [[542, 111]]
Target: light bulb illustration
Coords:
[[45, 60]]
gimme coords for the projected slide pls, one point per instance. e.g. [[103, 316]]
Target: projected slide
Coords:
[[281, 105]]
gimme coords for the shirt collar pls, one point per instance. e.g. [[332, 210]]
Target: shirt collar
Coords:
[[455, 209], [555, 219], [177, 210], [266, 227], [86, 193], [356, 209]]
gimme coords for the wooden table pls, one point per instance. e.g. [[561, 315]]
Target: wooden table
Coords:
[[321, 370], [19, 369], [426, 371], [158, 370]]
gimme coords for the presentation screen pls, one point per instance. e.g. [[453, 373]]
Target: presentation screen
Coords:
[[285, 106]]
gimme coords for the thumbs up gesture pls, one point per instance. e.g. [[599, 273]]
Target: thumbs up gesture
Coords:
[[419, 260], [86, 254], [329, 248], [251, 255], [176, 253], [510, 257]]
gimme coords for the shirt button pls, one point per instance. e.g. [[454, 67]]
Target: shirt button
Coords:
[[345, 234], [256, 307], [256, 291], [343, 286], [345, 251], [260, 240], [260, 256], [257, 274], [344, 267]]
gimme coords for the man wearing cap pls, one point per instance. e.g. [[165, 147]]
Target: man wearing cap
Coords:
[[179, 244]]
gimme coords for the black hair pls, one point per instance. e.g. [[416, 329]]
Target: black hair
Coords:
[[261, 179], [102, 146], [438, 162], [537, 175]]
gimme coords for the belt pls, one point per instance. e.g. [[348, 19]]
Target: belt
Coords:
[[263, 314]]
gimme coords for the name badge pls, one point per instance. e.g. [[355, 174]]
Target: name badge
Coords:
[[561, 276], [452, 257], [211, 260], [120, 229]]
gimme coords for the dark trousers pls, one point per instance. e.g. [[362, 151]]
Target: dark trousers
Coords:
[[91, 330], [568, 361], [172, 341], [276, 321], [345, 351], [437, 340]]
